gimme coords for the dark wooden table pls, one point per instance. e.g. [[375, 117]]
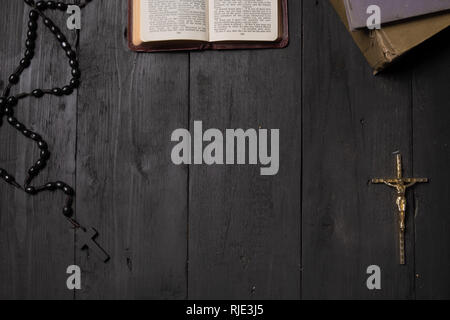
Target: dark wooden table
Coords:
[[177, 232]]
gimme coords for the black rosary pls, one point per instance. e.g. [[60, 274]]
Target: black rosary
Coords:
[[8, 102]]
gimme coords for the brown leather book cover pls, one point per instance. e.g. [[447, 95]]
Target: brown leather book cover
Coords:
[[174, 45]]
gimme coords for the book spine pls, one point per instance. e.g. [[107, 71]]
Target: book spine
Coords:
[[385, 51], [349, 12], [375, 45]]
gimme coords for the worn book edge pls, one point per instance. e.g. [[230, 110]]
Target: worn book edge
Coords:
[[382, 47]]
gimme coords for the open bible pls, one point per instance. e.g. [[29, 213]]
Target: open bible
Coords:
[[167, 25]]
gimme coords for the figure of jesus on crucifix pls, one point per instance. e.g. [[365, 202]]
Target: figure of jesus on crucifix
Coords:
[[400, 184], [401, 187]]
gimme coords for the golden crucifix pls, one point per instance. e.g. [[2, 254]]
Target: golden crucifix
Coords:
[[401, 184]]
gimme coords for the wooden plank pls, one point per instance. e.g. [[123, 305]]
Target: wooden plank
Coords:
[[431, 159], [35, 240], [128, 188], [244, 229], [353, 122]]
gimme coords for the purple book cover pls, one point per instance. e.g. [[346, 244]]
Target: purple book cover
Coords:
[[391, 10]]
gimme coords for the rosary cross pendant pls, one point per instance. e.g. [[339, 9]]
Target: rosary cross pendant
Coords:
[[87, 239], [400, 185]]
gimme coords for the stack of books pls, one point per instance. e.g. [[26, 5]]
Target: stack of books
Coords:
[[404, 24]]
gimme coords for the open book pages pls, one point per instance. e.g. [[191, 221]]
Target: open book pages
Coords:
[[205, 20]]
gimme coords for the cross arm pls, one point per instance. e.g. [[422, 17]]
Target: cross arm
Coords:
[[379, 180], [415, 180], [395, 181], [412, 181]]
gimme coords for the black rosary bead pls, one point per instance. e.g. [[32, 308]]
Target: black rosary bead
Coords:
[[12, 101], [32, 25], [42, 145], [68, 190], [38, 93], [73, 63], [76, 73], [25, 63], [48, 22], [67, 90], [35, 137], [19, 126], [54, 29], [8, 178], [51, 4], [57, 91], [29, 44], [71, 54], [34, 15], [40, 164], [61, 37], [14, 78], [8, 111], [74, 83], [31, 190], [61, 6], [29, 54], [31, 34], [41, 5], [33, 171], [26, 133], [50, 186], [12, 121], [68, 212], [59, 184], [65, 45], [45, 154]]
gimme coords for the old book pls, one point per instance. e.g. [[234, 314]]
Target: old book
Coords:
[[383, 47], [391, 10], [167, 25]]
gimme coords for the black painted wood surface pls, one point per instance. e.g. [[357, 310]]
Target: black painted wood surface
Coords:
[[226, 232]]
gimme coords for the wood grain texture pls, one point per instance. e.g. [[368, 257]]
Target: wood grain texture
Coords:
[[219, 232], [431, 159], [352, 123], [244, 229], [36, 241], [128, 188]]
